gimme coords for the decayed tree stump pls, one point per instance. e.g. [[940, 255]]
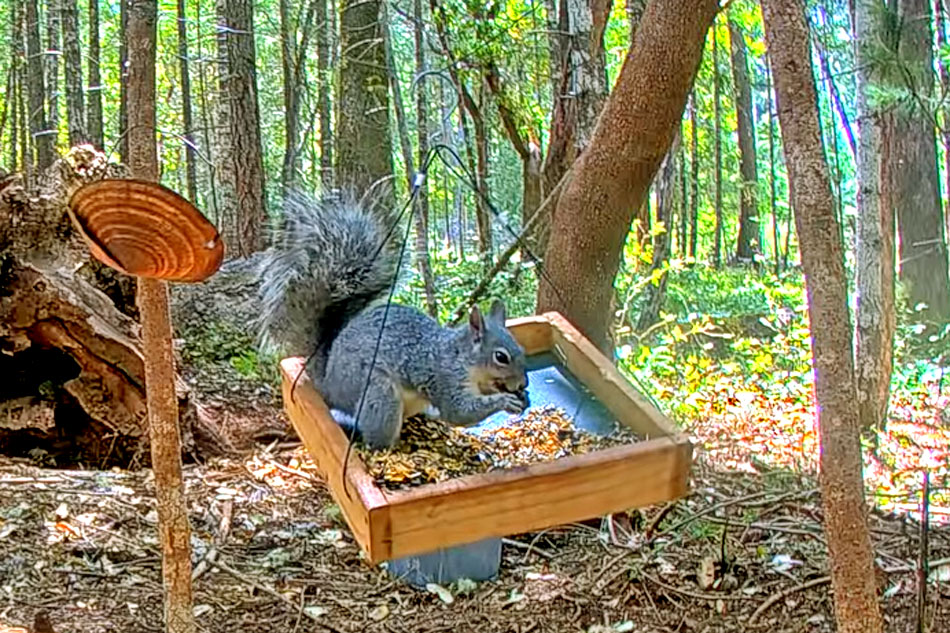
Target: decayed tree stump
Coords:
[[72, 362]]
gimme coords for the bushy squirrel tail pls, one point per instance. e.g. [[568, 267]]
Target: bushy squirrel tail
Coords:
[[327, 263]]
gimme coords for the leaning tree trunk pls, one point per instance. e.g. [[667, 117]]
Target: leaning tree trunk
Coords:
[[74, 384], [613, 175], [842, 484]]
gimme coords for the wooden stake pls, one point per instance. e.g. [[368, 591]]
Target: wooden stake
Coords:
[[157, 336]]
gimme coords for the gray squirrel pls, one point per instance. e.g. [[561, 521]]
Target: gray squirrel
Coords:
[[322, 294]]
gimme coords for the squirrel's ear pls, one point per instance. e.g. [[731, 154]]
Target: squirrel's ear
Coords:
[[498, 313], [477, 323]]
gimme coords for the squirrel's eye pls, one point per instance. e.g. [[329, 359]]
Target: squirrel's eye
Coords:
[[501, 357]]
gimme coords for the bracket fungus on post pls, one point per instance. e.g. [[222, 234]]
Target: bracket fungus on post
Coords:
[[144, 229]]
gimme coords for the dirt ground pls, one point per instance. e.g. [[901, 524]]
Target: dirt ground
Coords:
[[743, 552], [79, 548]]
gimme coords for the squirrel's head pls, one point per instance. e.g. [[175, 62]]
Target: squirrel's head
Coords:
[[499, 359]]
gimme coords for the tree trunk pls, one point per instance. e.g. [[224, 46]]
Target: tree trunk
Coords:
[[662, 244], [364, 147], [241, 160], [94, 89], [613, 175], [527, 150], [405, 144], [51, 63], [579, 94], [717, 149], [920, 220], [123, 82], [174, 529], [323, 92], [874, 261], [38, 123], [693, 177], [208, 124], [422, 141], [191, 170], [749, 242], [75, 110], [945, 89], [292, 68], [13, 101], [470, 106], [773, 206], [849, 543]]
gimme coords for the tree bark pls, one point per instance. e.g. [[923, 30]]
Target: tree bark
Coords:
[[527, 150], [241, 158], [773, 199], [842, 485], [323, 93], [94, 89], [123, 81], [470, 106], [693, 177], [75, 109], [579, 94], [613, 175], [666, 190], [364, 146], [38, 123], [51, 64], [920, 218], [420, 214], [874, 261], [191, 169], [174, 529], [749, 243], [717, 149], [293, 66], [422, 142]]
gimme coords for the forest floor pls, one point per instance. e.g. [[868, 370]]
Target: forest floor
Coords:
[[743, 551], [79, 547]]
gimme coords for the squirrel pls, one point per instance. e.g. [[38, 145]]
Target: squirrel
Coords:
[[322, 288]]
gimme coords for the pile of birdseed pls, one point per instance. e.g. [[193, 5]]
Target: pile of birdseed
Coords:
[[430, 451]]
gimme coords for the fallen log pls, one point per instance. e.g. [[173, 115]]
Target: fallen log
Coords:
[[70, 344]]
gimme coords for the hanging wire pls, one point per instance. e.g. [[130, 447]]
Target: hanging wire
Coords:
[[417, 182]]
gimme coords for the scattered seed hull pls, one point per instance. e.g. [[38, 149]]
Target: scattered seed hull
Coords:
[[431, 451]]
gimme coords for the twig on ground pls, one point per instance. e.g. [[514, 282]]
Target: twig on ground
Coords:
[[269, 591], [762, 608], [695, 594], [529, 547], [293, 471]]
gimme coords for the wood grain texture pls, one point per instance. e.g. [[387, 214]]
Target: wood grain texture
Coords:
[[362, 503], [391, 524], [144, 229], [605, 381]]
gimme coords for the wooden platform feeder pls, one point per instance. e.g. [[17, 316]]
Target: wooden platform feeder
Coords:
[[392, 524]]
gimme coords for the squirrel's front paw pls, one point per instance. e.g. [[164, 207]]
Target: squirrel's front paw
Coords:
[[513, 403]]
